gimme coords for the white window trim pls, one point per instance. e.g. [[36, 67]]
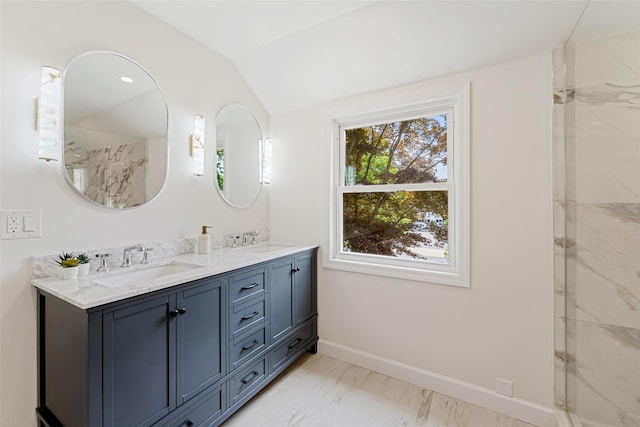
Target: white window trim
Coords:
[[456, 273]]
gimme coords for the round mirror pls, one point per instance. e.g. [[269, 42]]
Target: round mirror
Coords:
[[115, 131], [238, 156]]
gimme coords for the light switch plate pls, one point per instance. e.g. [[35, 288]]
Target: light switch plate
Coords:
[[20, 224]]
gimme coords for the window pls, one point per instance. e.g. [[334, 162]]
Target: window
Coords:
[[400, 191]]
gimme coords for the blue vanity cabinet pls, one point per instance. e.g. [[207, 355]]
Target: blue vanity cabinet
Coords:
[[188, 355]]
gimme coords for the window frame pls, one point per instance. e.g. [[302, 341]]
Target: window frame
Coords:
[[455, 100]]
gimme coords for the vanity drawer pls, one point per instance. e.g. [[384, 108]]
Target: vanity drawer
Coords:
[[246, 316], [247, 346], [290, 347], [246, 380], [201, 411], [246, 286]]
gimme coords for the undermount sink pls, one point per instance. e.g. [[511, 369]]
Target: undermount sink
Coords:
[[265, 248], [155, 272]]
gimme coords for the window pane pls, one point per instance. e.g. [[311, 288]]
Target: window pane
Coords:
[[403, 224], [409, 151]]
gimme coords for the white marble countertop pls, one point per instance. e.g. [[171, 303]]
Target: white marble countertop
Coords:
[[85, 293]]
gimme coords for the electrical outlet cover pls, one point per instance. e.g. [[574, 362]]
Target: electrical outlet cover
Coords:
[[20, 224]]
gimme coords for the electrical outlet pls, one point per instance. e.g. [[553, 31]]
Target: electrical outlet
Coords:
[[20, 224], [504, 387], [13, 224]]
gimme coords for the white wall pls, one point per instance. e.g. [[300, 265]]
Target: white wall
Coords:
[[501, 326], [194, 80]]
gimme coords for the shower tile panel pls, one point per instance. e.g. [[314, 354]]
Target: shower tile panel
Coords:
[[596, 194], [558, 147], [614, 59], [605, 376], [604, 139], [559, 360], [604, 267]]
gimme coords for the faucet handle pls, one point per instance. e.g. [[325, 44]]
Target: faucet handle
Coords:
[[145, 255], [235, 240], [103, 262]]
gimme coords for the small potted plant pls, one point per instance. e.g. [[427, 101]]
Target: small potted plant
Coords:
[[84, 264], [69, 264]]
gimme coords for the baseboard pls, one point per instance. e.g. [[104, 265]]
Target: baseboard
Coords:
[[517, 408]]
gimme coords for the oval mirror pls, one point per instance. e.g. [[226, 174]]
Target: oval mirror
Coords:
[[115, 131], [238, 156]]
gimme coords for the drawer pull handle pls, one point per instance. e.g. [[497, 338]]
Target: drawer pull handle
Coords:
[[295, 270], [252, 376], [189, 423], [250, 346], [251, 316], [251, 286], [295, 344]]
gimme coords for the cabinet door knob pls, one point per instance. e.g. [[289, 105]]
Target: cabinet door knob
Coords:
[[295, 270], [174, 313], [182, 310], [189, 423]]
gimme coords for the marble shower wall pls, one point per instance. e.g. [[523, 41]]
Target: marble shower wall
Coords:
[[597, 232]]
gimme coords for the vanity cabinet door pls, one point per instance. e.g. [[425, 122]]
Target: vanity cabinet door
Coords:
[[200, 324], [281, 298], [138, 362], [292, 293], [303, 288]]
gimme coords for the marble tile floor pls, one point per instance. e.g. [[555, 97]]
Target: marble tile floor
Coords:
[[318, 390]]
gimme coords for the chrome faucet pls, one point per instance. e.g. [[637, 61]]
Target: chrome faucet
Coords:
[[250, 238], [126, 257]]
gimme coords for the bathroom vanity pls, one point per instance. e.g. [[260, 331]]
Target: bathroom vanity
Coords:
[[185, 348]]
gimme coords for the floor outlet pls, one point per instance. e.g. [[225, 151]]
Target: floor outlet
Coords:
[[20, 224], [504, 387]]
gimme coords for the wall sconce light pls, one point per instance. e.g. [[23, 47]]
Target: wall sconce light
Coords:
[[48, 115], [197, 146], [266, 156]]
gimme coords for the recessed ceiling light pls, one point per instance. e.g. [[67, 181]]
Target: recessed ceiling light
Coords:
[[126, 79]]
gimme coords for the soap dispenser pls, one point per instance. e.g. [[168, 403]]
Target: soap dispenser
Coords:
[[204, 244]]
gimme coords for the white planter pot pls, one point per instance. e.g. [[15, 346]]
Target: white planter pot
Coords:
[[83, 269], [70, 273]]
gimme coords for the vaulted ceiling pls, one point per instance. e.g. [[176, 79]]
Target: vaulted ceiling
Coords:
[[296, 54]]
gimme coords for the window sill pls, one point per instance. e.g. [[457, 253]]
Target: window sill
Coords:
[[415, 274]]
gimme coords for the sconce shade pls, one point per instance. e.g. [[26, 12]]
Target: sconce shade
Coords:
[[48, 116], [197, 146], [266, 157]]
